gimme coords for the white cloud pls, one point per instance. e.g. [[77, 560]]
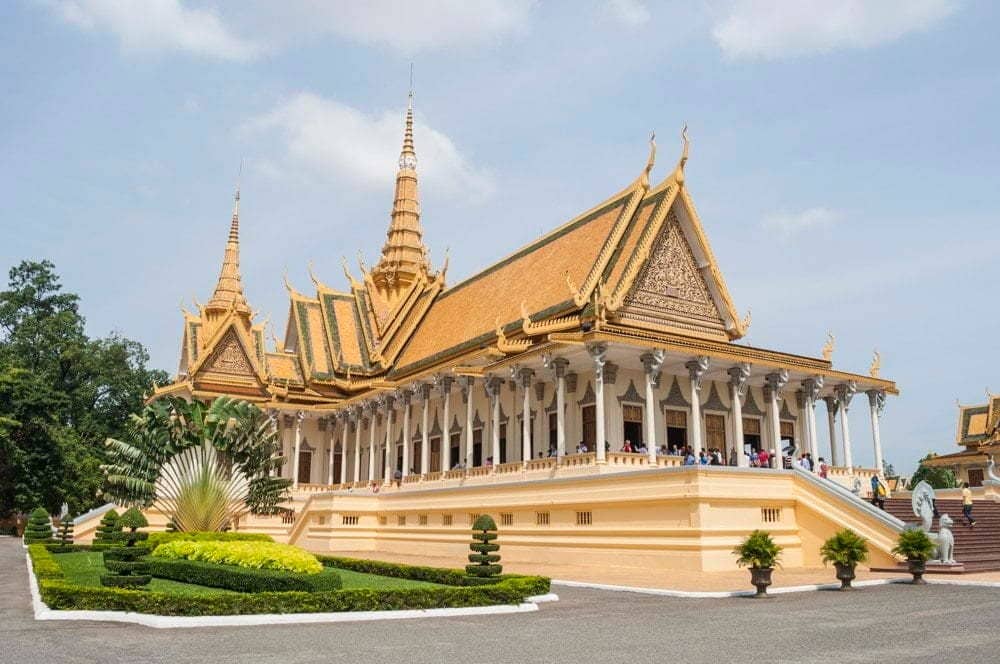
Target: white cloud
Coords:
[[330, 141], [771, 29], [632, 13], [787, 224], [158, 25]]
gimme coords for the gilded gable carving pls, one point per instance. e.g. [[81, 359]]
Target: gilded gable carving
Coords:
[[229, 358], [670, 280]]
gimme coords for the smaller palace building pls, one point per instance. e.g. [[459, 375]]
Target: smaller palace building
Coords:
[[978, 433], [516, 387]]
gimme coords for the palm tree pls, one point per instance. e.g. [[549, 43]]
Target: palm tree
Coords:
[[203, 465]]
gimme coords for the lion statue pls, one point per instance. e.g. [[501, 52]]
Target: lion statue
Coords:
[[945, 541]]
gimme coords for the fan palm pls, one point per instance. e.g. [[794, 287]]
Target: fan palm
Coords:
[[203, 465]]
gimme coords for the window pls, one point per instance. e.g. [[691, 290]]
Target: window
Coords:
[[632, 424], [477, 447], [584, 518], [472, 518], [349, 520], [401, 520], [503, 445], [456, 448], [975, 476], [320, 520], [553, 431], [383, 520], [445, 519], [770, 514], [422, 519], [541, 518], [506, 519], [715, 431], [589, 417], [435, 460], [677, 432]]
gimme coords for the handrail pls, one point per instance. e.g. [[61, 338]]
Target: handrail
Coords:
[[839, 491]]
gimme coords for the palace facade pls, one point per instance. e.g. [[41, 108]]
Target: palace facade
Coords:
[[615, 326], [978, 433]]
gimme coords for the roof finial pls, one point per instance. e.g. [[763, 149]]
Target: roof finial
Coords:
[[229, 288], [687, 146], [644, 178]]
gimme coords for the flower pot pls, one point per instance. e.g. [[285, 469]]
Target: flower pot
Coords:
[[760, 577], [917, 569], [845, 574]]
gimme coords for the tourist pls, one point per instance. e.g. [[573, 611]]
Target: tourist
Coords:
[[763, 458], [702, 459], [716, 457], [824, 469], [397, 475], [754, 459], [967, 505], [627, 447], [489, 461], [689, 460], [878, 493]]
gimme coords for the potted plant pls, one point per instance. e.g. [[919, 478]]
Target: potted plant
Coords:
[[758, 552], [845, 550], [914, 545]]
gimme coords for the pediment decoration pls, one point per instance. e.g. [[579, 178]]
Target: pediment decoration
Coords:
[[785, 413], [714, 401], [588, 397], [229, 358], [455, 426], [675, 397], [631, 395], [750, 406]]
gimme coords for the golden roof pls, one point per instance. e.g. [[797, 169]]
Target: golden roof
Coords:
[[229, 289]]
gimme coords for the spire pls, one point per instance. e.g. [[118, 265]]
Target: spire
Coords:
[[404, 256], [229, 289]]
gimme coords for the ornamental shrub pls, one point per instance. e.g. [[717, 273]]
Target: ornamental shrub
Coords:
[[66, 531], [127, 570], [241, 579], [39, 527], [758, 551], [256, 555], [914, 544], [846, 547], [484, 531], [133, 519], [156, 539], [108, 531]]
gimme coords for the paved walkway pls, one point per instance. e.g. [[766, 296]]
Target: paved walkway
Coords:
[[887, 623]]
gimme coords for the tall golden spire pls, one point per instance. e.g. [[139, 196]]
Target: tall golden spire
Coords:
[[404, 256], [229, 289]]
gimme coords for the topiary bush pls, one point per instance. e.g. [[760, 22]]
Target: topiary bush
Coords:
[[66, 531], [241, 579], [484, 532], [156, 539], [124, 562], [39, 527], [108, 531], [256, 555]]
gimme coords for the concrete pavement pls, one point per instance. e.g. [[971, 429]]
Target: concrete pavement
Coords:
[[896, 623]]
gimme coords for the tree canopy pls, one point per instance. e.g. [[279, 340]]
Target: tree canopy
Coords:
[[938, 478], [61, 394]]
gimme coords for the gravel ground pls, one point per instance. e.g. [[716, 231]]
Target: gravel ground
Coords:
[[897, 623]]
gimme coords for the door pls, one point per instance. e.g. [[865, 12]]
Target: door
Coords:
[[589, 425], [305, 466], [456, 449], [337, 465], [632, 424], [975, 476], [677, 433], [435, 455], [715, 434], [477, 447]]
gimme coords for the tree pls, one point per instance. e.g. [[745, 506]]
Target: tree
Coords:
[[66, 531], [61, 394], [485, 558], [39, 527], [202, 465], [937, 477], [108, 530]]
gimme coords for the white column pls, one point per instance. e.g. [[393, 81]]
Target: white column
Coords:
[[425, 436], [802, 444], [845, 392], [493, 385], [356, 420], [299, 416], [651, 363], [696, 369], [404, 400], [390, 456], [772, 390], [272, 418], [598, 353], [332, 423], [812, 386], [371, 443], [832, 406], [876, 404], [344, 422], [560, 364], [738, 377], [446, 463], [526, 375], [469, 384]]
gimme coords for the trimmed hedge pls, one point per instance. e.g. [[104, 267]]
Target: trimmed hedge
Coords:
[[256, 555], [67, 548], [62, 595], [156, 539], [240, 579], [39, 528], [44, 563]]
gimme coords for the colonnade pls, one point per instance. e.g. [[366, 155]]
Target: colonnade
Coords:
[[391, 412]]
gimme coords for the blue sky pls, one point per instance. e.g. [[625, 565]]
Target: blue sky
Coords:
[[844, 157]]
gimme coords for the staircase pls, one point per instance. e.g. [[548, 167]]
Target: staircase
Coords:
[[978, 549]]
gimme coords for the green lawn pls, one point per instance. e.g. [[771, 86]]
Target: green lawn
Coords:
[[86, 567]]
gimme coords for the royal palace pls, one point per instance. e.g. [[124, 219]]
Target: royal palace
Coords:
[[553, 389]]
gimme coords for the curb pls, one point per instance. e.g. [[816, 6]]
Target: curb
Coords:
[[722, 594], [43, 612]]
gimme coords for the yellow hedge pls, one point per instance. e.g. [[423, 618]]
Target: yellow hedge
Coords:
[[253, 555]]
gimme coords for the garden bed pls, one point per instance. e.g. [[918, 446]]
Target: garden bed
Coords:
[[71, 581]]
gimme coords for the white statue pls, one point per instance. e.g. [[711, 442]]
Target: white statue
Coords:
[[922, 499], [990, 472], [945, 541]]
